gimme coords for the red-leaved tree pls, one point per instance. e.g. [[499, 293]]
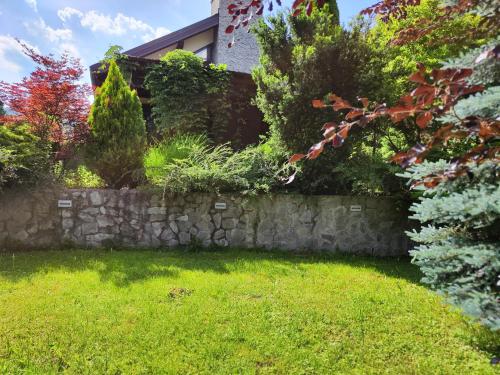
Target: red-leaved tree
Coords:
[[51, 100]]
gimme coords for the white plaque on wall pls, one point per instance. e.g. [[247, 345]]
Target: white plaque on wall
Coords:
[[220, 206], [356, 208], [64, 203]]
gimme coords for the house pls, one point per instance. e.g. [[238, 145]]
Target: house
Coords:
[[206, 38]]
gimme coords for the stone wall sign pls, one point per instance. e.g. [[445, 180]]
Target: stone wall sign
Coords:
[[61, 203], [356, 208], [220, 206]]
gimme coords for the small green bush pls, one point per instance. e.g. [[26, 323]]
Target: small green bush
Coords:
[[188, 163], [82, 177], [117, 132], [24, 158]]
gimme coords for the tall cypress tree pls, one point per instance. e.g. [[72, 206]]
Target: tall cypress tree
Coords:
[[117, 132]]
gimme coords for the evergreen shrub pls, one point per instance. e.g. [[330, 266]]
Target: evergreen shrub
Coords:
[[459, 251], [117, 132]]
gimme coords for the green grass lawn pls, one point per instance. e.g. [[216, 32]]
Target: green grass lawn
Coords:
[[228, 312]]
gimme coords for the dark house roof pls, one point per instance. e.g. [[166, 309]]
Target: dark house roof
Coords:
[[175, 37], [169, 39]]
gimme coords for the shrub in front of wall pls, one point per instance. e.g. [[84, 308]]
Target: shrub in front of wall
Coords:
[[24, 159], [189, 96], [117, 132], [164, 156], [189, 163], [82, 177]]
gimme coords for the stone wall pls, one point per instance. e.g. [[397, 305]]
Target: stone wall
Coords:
[[132, 218]]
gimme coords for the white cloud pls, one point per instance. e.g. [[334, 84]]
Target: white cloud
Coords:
[[158, 32], [65, 14], [114, 26], [53, 35], [118, 25], [9, 43], [32, 4], [8, 47]]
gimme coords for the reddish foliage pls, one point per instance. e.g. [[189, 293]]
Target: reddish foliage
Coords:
[[390, 8], [242, 13], [244, 10], [397, 9], [435, 95], [51, 99]]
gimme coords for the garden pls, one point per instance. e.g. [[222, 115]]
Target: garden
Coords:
[[400, 106]]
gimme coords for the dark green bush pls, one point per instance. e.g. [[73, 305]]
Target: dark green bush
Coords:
[[24, 159], [189, 96], [303, 58], [117, 132]]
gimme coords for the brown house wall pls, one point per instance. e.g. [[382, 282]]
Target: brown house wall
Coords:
[[246, 119]]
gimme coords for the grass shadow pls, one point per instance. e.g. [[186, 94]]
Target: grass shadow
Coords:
[[129, 266]]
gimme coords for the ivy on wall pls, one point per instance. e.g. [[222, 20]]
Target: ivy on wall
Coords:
[[189, 96]]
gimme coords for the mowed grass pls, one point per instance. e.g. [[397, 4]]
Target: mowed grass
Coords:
[[228, 312]]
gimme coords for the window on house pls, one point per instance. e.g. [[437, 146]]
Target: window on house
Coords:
[[205, 53]]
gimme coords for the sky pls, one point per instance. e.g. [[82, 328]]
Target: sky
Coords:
[[86, 28]]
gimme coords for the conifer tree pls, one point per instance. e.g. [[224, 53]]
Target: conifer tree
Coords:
[[117, 132]]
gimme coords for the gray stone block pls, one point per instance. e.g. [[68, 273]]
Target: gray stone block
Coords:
[[67, 223], [167, 235], [89, 228], [99, 238], [229, 223], [157, 211], [105, 221], [184, 238], [96, 198], [157, 229], [154, 218], [21, 216], [66, 213], [217, 220], [21, 236], [174, 227], [219, 234]]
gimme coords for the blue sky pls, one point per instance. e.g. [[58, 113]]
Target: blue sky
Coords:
[[86, 28]]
